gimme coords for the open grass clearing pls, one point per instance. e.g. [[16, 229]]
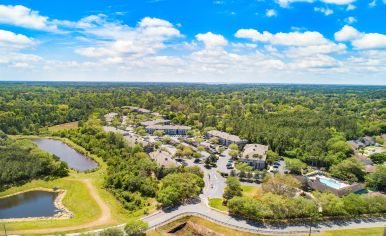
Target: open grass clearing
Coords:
[[354, 232], [218, 204], [251, 191], [64, 126]]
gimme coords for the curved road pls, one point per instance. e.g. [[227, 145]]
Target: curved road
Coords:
[[202, 209]]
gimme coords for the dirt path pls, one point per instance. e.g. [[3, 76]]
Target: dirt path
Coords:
[[104, 219]]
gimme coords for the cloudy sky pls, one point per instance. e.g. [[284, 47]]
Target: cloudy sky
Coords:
[[226, 41]]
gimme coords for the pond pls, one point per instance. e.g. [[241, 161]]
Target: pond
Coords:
[[36, 203], [74, 159]]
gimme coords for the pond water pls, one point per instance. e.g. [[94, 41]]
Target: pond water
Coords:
[[74, 159], [29, 204]]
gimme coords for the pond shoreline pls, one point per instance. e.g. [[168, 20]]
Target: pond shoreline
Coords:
[[63, 212], [70, 144]]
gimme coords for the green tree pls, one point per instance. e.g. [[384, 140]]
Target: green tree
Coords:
[[232, 189], [377, 180], [285, 185], [111, 232], [378, 158], [178, 187], [295, 166], [136, 228], [350, 170]]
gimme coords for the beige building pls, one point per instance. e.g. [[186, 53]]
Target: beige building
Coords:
[[254, 155], [225, 138]]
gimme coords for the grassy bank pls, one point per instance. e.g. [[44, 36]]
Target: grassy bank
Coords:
[[354, 232]]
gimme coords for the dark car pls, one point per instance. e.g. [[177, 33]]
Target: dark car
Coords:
[[184, 163]]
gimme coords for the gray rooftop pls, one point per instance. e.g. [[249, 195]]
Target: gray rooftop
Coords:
[[255, 149], [154, 122], [163, 127], [224, 135]]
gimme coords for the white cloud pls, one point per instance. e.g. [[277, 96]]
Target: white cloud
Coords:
[[116, 39], [270, 13], [373, 3], [347, 33], [22, 16], [307, 38], [149, 21], [370, 41], [315, 50], [286, 3], [350, 7], [212, 40], [338, 2], [253, 35], [325, 11], [361, 40], [350, 20], [10, 39]]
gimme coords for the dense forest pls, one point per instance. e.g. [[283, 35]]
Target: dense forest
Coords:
[[22, 160], [310, 123]]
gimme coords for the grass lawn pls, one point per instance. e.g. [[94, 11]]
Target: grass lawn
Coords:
[[217, 203], [251, 191], [69, 125], [354, 232]]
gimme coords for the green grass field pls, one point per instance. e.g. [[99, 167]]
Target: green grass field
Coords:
[[69, 125], [251, 191], [354, 232], [217, 203]]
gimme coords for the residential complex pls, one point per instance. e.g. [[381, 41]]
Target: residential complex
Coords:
[[168, 129], [226, 138]]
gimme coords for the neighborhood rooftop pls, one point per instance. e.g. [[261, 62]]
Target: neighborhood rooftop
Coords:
[[163, 127], [155, 122], [224, 135], [251, 149]]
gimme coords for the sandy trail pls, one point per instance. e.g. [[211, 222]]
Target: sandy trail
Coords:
[[104, 219]]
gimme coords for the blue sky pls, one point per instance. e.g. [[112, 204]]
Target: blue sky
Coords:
[[227, 41]]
